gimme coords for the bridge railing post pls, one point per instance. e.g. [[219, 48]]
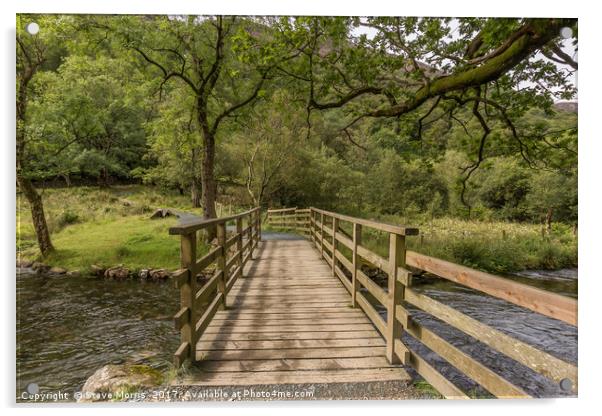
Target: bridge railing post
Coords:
[[397, 255], [357, 240], [322, 234], [239, 244], [335, 226], [187, 294], [221, 262]]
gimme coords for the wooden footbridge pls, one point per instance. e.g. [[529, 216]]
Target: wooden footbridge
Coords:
[[303, 311]]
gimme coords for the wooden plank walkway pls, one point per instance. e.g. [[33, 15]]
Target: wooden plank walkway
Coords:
[[290, 321]]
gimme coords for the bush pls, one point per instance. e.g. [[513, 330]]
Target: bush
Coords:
[[67, 218]]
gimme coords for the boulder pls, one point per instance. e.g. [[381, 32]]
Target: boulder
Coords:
[[57, 270], [159, 274], [97, 270], [74, 273], [162, 213], [107, 382], [40, 267], [143, 274], [117, 272], [24, 263]]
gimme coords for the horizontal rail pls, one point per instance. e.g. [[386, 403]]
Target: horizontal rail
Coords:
[[390, 228], [537, 300], [193, 226]]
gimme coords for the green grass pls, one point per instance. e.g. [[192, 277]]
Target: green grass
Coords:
[[105, 227], [497, 247]]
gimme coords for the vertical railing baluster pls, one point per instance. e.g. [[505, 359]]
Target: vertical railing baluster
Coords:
[[335, 227], [221, 262], [239, 244], [357, 240], [188, 291], [322, 234], [397, 255]]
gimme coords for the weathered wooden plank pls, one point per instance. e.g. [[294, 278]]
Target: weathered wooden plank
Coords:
[[374, 289], [290, 364], [238, 315], [289, 343], [291, 328], [541, 301], [209, 258], [271, 336], [494, 383], [266, 354], [539, 361], [208, 289], [292, 321], [181, 354], [445, 387], [182, 317], [343, 279], [205, 319], [193, 226], [372, 314], [395, 229], [181, 277]]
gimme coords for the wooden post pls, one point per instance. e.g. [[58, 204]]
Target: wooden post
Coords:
[[397, 255], [188, 291], [239, 243], [258, 226], [322, 234], [221, 262], [357, 240], [335, 226]]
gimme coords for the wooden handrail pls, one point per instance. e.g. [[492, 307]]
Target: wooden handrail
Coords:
[[199, 305], [390, 228], [200, 224], [327, 236], [538, 300]]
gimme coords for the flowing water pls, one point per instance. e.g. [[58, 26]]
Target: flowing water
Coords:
[[69, 327]]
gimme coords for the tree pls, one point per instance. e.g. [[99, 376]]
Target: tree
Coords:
[[89, 119], [224, 62], [33, 52], [420, 70]]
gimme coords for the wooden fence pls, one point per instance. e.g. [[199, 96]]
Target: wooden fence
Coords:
[[289, 219], [199, 305], [329, 238]]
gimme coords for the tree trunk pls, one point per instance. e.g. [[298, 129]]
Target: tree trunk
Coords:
[[549, 219], [208, 183], [194, 185], [195, 194], [37, 215]]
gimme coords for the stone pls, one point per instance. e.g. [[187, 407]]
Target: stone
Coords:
[[40, 267], [143, 274], [24, 263], [97, 270], [117, 272], [107, 382], [159, 274], [74, 273], [57, 270]]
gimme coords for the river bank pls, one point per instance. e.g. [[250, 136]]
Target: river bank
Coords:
[[113, 226]]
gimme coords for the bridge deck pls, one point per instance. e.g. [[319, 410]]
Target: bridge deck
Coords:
[[290, 321]]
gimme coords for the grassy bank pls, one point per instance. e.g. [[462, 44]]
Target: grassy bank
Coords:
[[106, 227], [111, 226], [497, 247]]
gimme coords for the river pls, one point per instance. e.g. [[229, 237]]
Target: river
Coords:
[[68, 327]]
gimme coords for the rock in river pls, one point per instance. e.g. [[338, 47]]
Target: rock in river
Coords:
[[107, 382]]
